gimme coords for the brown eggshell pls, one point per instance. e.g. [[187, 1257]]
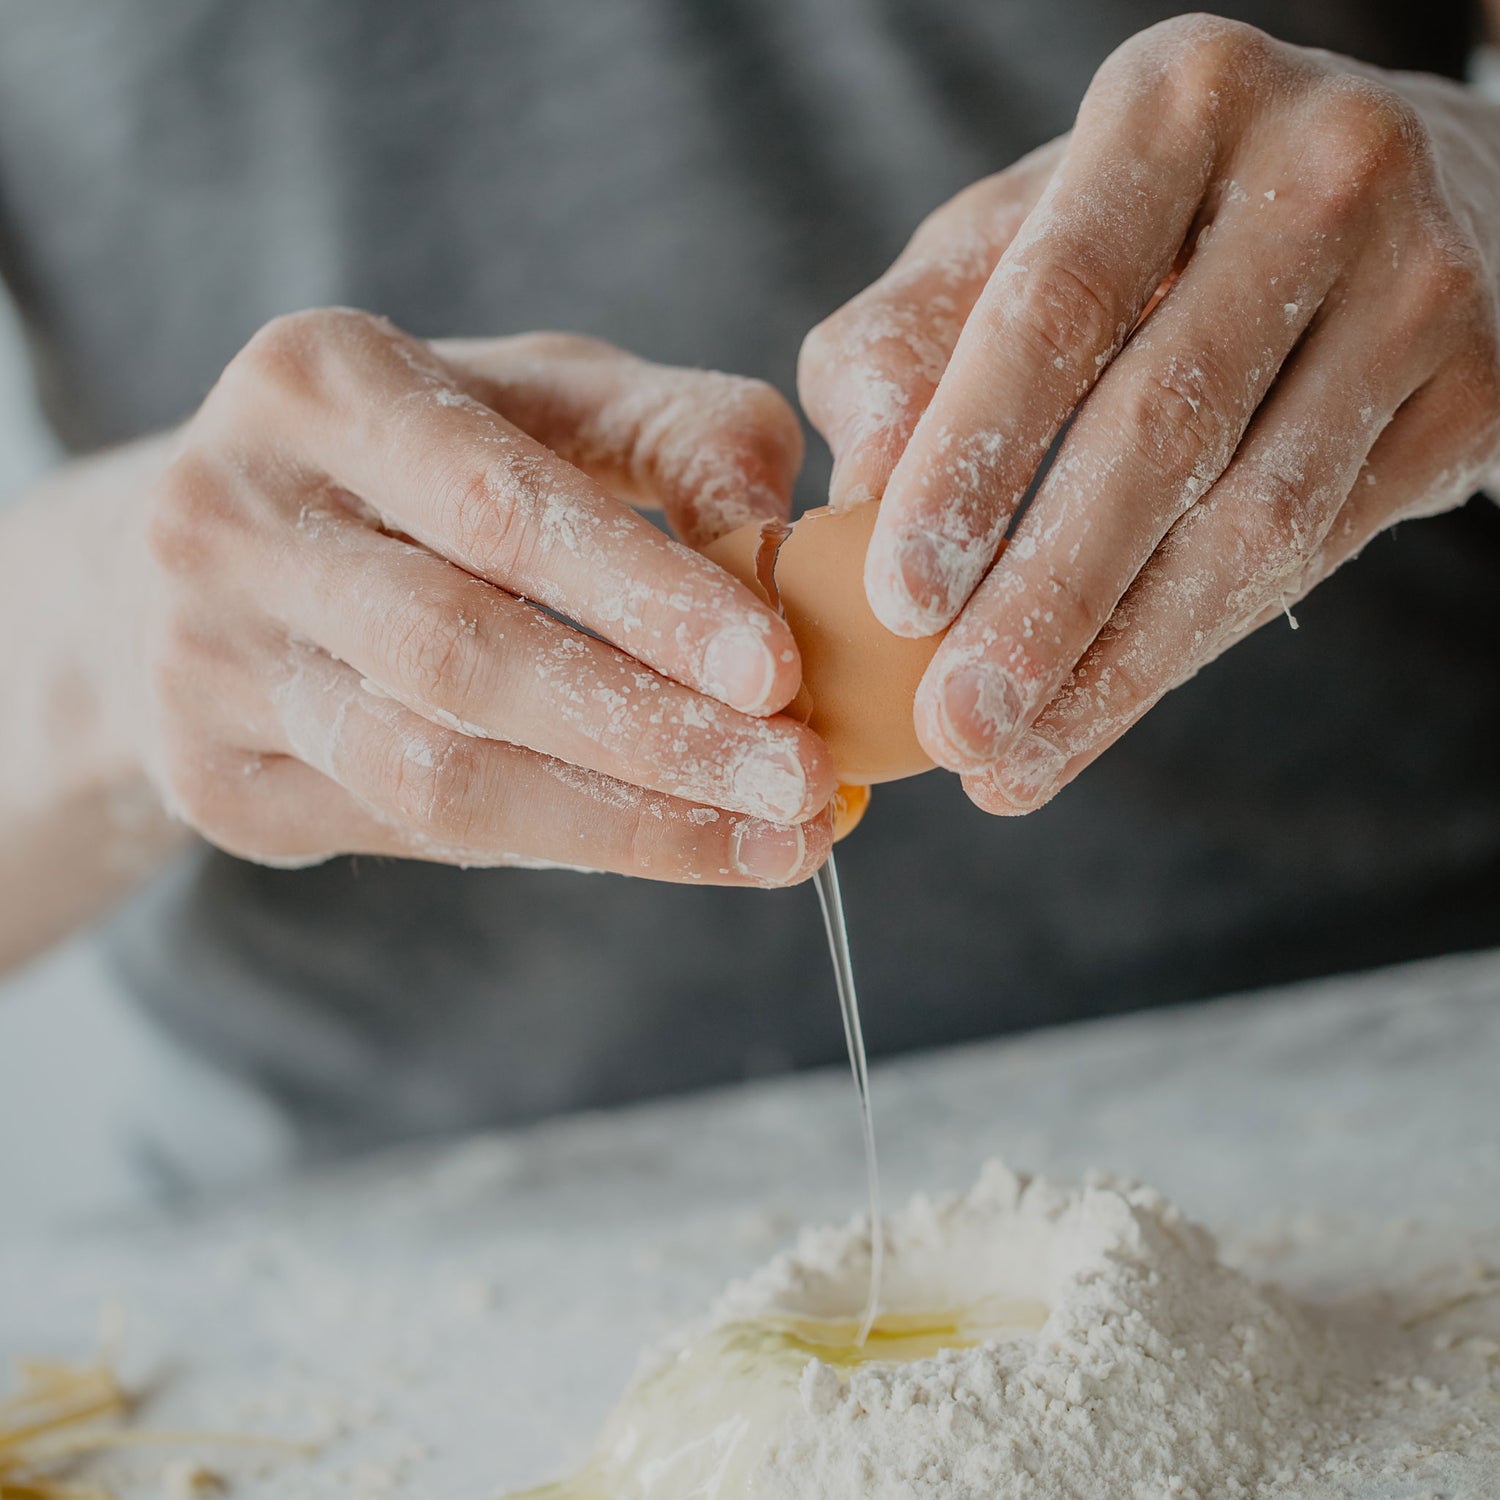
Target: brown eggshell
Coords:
[[858, 680]]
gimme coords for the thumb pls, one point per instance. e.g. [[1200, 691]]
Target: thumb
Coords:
[[713, 451], [867, 372]]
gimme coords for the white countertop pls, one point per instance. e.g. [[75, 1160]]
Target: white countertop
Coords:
[[466, 1313]]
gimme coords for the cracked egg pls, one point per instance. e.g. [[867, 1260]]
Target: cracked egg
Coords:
[[859, 681]]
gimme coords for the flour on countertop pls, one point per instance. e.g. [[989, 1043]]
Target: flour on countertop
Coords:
[[1160, 1371]]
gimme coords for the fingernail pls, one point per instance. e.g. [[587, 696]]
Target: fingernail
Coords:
[[1032, 771], [768, 852], [739, 669], [923, 590], [920, 562], [978, 710], [772, 783]]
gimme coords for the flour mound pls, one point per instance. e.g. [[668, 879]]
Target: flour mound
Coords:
[[1158, 1371], [1097, 1348]]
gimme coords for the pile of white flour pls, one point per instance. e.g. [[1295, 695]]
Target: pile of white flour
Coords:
[[1158, 1372]]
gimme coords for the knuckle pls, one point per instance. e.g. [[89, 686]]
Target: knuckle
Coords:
[[284, 351], [1445, 283], [1133, 680], [820, 352], [647, 745], [746, 414], [189, 503], [296, 355], [1060, 313], [845, 360], [1209, 51], [488, 510], [548, 345], [869, 367], [1184, 61], [458, 783], [914, 300], [433, 784], [1071, 604], [1361, 135], [753, 404], [642, 844], [957, 234], [1275, 522], [1169, 420], [433, 647], [652, 841]]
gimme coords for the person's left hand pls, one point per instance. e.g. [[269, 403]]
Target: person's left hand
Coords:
[[1322, 362]]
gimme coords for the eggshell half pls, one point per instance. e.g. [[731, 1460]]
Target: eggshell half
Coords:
[[858, 680]]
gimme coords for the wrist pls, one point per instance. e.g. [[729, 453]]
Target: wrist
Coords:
[[73, 687]]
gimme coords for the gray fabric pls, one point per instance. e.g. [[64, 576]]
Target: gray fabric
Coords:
[[701, 182]]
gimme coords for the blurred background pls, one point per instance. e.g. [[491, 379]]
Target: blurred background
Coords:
[[701, 184]]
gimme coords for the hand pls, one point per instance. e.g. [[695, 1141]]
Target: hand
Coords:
[[1261, 281], [340, 653]]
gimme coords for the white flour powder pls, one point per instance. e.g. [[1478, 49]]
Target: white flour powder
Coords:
[[1159, 1371]]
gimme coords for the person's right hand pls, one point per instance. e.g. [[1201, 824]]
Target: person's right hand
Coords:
[[338, 651]]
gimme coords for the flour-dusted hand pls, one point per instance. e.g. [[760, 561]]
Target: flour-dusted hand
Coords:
[[341, 650], [1262, 282]]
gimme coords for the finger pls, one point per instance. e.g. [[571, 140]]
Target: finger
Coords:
[[867, 373], [1155, 433], [1231, 564], [448, 797], [713, 451], [378, 414], [1069, 288], [472, 658], [1434, 455], [273, 810], [288, 816]]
